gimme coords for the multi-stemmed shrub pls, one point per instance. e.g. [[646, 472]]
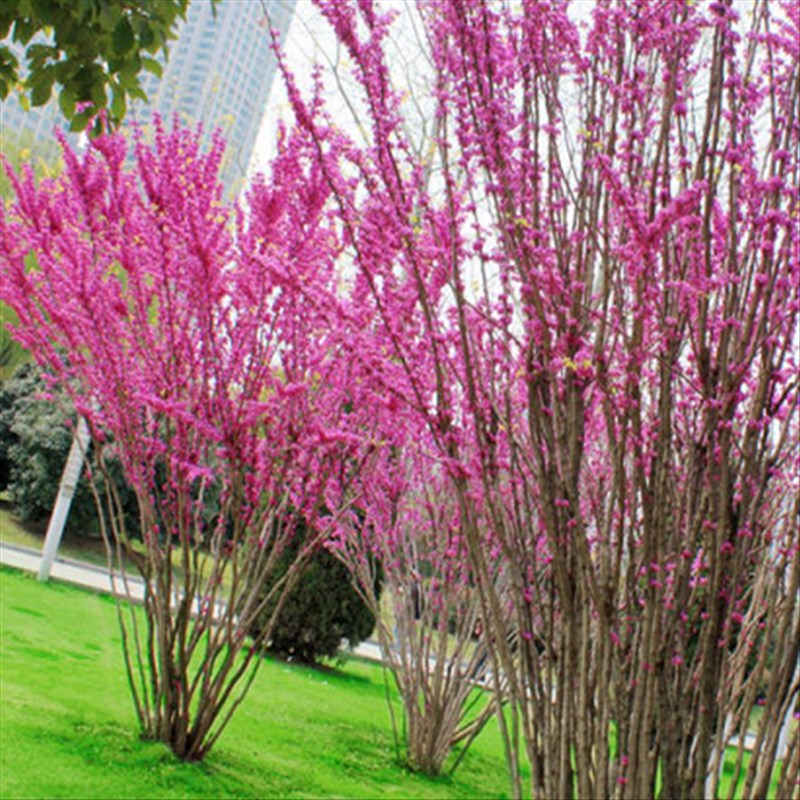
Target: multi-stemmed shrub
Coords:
[[586, 288], [187, 334]]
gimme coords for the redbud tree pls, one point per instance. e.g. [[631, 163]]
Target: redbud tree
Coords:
[[588, 295], [407, 533], [184, 331]]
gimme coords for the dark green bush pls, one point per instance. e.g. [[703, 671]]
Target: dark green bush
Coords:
[[322, 609], [6, 437], [34, 443]]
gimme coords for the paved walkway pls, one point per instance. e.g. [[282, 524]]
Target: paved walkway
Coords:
[[96, 578], [69, 570]]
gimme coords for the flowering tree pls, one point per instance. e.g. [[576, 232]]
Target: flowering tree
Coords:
[[407, 535], [184, 332], [592, 307]]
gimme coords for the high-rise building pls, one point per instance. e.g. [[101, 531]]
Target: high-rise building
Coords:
[[219, 73], [30, 129]]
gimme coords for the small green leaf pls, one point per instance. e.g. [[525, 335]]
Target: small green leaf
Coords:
[[118, 104], [108, 15], [128, 71], [86, 9], [8, 72], [80, 121], [152, 65], [98, 94], [138, 92], [42, 90], [146, 37], [7, 58], [39, 53], [5, 23], [23, 31], [66, 101], [123, 39]]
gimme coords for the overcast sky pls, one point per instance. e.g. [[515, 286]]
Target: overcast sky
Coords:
[[310, 41]]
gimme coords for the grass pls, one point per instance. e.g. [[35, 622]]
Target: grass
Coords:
[[68, 728]]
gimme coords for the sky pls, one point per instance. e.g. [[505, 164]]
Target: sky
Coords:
[[309, 41]]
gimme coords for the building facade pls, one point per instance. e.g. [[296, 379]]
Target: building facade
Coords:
[[219, 73]]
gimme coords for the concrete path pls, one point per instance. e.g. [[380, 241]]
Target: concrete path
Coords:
[[96, 578], [80, 573]]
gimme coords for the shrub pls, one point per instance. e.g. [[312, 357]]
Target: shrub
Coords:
[[321, 610], [6, 437], [34, 444]]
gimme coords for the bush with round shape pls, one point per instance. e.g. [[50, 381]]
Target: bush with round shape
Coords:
[[321, 611]]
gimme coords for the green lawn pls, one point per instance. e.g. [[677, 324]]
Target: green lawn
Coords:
[[68, 728]]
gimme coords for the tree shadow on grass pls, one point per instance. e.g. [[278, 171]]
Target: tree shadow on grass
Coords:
[[335, 670]]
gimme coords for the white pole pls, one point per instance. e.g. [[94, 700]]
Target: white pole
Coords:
[[66, 491], [783, 736]]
